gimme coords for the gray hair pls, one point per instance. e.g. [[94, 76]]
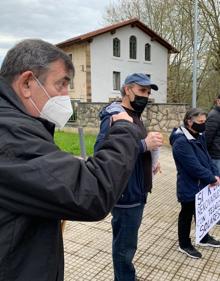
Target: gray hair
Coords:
[[35, 55], [122, 90], [193, 112]]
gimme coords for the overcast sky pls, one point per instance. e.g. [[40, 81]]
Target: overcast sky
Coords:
[[51, 20]]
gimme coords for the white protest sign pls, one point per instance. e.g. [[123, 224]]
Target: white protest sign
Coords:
[[207, 206]]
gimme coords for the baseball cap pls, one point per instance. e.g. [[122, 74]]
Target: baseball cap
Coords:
[[140, 79]]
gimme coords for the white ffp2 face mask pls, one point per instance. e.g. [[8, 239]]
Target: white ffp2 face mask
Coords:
[[57, 109]]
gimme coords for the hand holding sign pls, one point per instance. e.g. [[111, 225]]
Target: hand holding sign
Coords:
[[207, 210], [215, 183]]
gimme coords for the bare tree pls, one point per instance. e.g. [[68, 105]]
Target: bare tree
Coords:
[[174, 21]]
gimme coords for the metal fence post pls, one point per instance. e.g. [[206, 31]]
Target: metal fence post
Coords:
[[82, 143]]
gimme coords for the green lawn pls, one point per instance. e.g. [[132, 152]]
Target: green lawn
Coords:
[[69, 142]]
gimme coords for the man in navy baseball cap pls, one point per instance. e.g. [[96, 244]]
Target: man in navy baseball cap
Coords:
[[136, 90], [140, 79], [127, 213]]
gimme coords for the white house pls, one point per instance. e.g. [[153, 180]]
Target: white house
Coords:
[[104, 57]]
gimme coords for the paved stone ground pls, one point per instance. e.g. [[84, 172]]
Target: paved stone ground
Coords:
[[88, 245]]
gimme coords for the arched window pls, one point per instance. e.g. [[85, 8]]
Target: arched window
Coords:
[[133, 47], [147, 52], [116, 47]]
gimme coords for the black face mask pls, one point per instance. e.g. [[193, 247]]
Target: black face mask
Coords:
[[139, 103], [200, 128]]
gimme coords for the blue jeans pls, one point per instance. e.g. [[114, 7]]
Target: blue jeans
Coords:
[[217, 163], [125, 226]]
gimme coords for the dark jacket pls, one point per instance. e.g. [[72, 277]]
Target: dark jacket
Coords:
[[212, 132], [137, 188], [40, 185], [194, 166]]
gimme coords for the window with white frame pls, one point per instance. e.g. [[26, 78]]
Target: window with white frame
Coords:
[[116, 47], [133, 47], [116, 80], [147, 52]]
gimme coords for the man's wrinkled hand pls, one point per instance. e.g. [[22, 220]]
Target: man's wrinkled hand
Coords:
[[121, 116], [154, 140]]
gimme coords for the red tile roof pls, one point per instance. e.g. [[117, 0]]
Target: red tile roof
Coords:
[[111, 28]]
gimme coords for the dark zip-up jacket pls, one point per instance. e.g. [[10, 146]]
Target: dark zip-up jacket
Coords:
[[40, 185], [212, 132], [194, 166], [140, 181]]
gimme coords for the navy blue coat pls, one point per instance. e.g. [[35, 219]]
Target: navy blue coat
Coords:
[[194, 166]]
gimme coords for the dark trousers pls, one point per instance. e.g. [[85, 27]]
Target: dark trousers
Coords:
[[125, 226], [184, 224]]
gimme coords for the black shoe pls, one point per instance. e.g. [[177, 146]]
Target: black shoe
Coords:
[[218, 223], [191, 252], [210, 241]]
